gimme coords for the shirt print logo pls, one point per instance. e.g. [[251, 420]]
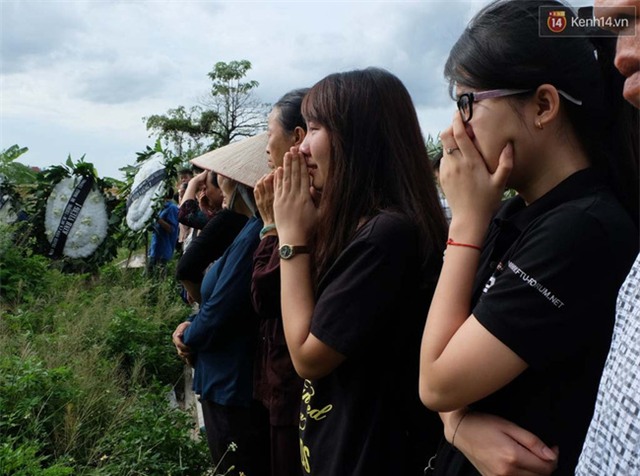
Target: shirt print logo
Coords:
[[492, 280], [531, 281], [314, 414], [490, 283]]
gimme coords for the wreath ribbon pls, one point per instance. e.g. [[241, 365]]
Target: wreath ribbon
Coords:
[[145, 185], [69, 216]]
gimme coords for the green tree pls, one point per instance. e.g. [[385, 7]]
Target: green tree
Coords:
[[179, 129], [230, 110], [15, 172], [235, 110]]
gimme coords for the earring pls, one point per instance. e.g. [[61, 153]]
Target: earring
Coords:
[[539, 125]]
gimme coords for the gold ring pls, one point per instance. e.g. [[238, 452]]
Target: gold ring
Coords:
[[451, 149]]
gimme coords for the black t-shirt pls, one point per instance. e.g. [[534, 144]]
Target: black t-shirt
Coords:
[[546, 287], [365, 418], [209, 245]]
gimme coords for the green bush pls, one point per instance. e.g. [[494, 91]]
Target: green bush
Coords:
[[153, 439], [33, 399], [22, 274], [138, 339], [34, 406], [125, 277], [23, 460], [30, 320], [75, 352]]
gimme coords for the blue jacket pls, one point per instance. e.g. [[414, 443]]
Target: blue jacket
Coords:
[[224, 332]]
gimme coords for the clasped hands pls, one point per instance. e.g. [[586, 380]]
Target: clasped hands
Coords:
[[184, 352], [294, 200]]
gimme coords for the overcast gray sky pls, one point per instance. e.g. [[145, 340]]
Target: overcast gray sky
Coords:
[[77, 77]]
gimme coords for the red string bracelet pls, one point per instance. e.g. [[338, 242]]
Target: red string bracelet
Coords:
[[455, 243]]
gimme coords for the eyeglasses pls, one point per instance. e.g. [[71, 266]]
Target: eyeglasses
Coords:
[[465, 101]]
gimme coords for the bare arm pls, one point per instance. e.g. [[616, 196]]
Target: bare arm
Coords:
[[194, 185], [295, 216], [496, 446], [165, 225], [460, 361]]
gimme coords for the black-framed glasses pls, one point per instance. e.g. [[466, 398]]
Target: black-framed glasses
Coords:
[[465, 101]]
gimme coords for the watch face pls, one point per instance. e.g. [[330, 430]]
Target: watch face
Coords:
[[286, 251]]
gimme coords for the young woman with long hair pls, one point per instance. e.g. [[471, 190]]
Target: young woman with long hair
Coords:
[[521, 320], [361, 236]]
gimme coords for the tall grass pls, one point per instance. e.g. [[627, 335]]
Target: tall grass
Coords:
[[86, 362]]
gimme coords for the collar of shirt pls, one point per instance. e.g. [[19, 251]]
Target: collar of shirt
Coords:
[[575, 186], [514, 216]]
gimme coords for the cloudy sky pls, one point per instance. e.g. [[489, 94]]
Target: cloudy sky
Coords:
[[77, 77]]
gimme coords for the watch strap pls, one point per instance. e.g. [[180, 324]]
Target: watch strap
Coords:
[[289, 251], [300, 250]]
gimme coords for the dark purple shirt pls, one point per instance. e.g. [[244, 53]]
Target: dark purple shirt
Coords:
[[276, 383]]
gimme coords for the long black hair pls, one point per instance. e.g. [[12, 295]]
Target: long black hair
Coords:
[[501, 48], [378, 162]]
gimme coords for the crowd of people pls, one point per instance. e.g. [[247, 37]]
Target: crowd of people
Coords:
[[362, 309]]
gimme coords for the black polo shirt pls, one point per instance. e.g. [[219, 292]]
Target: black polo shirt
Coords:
[[546, 287]]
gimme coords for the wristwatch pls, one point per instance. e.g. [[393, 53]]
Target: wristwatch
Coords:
[[289, 251]]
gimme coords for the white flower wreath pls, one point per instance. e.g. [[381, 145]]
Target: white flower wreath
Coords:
[[90, 227], [141, 208]]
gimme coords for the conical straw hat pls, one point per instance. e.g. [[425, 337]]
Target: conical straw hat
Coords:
[[244, 161]]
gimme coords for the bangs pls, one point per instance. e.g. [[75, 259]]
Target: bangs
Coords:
[[322, 102]]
